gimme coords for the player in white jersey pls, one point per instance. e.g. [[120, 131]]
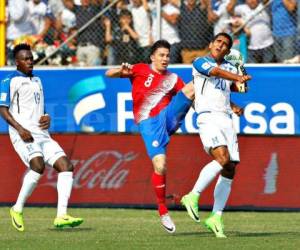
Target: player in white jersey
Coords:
[[214, 78], [22, 107]]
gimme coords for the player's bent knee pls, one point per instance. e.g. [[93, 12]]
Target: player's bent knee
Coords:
[[223, 160], [63, 165], [37, 164], [228, 170], [160, 170]]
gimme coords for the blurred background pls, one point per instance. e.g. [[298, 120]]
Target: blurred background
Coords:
[[108, 32]]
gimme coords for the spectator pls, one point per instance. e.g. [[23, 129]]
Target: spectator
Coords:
[[39, 15], [258, 30], [218, 12], [169, 28], [19, 24], [112, 24], [141, 23], [284, 28], [239, 38], [68, 27], [90, 41], [194, 29], [123, 39]]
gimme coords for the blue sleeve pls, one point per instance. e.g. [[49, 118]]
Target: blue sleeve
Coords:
[[203, 65], [5, 92]]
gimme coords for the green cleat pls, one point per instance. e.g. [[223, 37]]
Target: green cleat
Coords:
[[215, 224], [190, 202], [17, 220], [67, 221]]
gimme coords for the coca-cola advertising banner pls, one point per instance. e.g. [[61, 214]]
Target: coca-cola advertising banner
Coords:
[[115, 170]]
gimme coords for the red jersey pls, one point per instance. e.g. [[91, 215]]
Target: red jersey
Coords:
[[151, 91]]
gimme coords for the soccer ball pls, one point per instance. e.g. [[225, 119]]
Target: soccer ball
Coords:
[[235, 57]]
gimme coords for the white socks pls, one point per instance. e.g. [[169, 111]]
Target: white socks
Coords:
[[221, 194], [206, 176], [64, 188], [30, 181]]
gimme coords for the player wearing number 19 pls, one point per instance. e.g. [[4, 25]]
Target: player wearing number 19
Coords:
[[22, 107], [214, 78], [160, 102]]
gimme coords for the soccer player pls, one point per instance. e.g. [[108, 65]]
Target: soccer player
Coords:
[[22, 107], [214, 77], [160, 103]]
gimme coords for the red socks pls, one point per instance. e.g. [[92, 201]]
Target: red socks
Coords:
[[159, 185]]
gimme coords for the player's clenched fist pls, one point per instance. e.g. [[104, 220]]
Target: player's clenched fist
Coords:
[[244, 78], [25, 135], [44, 122], [126, 68]]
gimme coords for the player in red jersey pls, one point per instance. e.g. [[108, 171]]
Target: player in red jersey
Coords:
[[160, 103]]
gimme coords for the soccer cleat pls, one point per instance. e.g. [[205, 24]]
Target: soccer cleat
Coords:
[[215, 224], [67, 221], [190, 202], [17, 220], [167, 223]]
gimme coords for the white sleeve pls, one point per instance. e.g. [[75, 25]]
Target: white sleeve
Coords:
[[16, 9]]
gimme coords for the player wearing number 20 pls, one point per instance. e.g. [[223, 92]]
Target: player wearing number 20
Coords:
[[214, 77]]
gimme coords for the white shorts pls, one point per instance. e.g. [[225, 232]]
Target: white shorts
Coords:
[[44, 147], [216, 129]]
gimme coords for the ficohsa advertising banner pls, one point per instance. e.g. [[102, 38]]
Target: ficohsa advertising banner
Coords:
[[84, 100]]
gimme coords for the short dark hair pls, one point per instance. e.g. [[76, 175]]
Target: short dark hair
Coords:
[[160, 44], [19, 47], [125, 12], [225, 35]]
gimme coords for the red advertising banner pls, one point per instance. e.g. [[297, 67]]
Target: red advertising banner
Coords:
[[114, 169]]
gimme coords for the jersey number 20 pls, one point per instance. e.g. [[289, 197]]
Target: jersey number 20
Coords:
[[220, 84]]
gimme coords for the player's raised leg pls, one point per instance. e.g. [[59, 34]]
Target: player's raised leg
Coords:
[[64, 188], [159, 185], [206, 176]]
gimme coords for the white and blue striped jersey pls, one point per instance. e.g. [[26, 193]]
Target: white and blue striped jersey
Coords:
[[23, 95], [211, 93]]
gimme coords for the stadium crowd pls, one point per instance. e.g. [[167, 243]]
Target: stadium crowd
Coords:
[[264, 31]]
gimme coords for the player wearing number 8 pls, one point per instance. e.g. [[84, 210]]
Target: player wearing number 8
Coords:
[[214, 78], [160, 103]]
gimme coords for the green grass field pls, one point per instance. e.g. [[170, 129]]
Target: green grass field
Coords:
[[140, 229]]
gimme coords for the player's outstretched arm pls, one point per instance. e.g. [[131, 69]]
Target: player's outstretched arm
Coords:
[[124, 71], [24, 133], [218, 72]]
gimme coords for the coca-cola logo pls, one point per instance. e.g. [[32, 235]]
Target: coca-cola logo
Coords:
[[104, 170]]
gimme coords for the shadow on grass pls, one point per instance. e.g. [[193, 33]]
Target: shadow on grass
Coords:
[[236, 234], [198, 233], [71, 229], [262, 234]]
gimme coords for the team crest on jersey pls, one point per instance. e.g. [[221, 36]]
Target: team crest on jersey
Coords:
[[166, 83], [155, 143]]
